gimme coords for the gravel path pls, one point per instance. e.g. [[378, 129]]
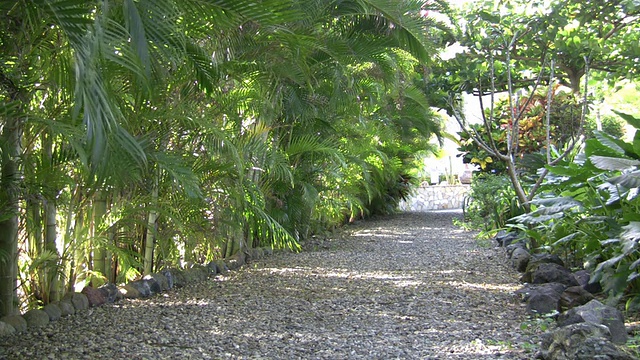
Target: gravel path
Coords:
[[410, 286]]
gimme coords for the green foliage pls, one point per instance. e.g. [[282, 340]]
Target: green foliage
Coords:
[[589, 212], [492, 202]]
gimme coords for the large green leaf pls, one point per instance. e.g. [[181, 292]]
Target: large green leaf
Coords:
[[612, 163]]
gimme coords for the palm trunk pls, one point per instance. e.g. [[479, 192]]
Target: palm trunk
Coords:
[[10, 181], [151, 228], [99, 210]]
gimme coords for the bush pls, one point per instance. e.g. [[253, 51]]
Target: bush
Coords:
[[491, 202]]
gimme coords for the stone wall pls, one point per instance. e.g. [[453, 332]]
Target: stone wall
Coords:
[[436, 197]]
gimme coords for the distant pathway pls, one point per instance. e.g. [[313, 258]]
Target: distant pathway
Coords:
[[410, 286]]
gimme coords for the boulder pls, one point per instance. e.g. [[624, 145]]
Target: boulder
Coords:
[[110, 292], [255, 253], [213, 269], [583, 341], [17, 321], [94, 296], [236, 261], [179, 279], [597, 313], [168, 274], [78, 300], [506, 238], [136, 289], [66, 307], [520, 244], [195, 274], [154, 285], [160, 279], [36, 318], [520, 259], [221, 265], [574, 296], [6, 329], [53, 310], [267, 250], [542, 299], [544, 259], [552, 273], [583, 277]]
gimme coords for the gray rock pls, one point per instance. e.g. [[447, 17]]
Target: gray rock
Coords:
[[36, 318], [17, 321], [255, 253], [552, 273], [506, 238], [521, 244], [520, 259], [236, 261], [267, 250], [160, 279], [179, 279], [154, 285], [222, 266], [79, 301], [583, 277], [94, 296], [542, 299], [110, 292], [574, 296], [213, 269], [583, 341], [53, 310], [168, 274], [6, 329], [597, 313], [544, 258], [137, 289], [66, 307]]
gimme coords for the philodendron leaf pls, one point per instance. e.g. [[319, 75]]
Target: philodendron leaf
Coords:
[[632, 120], [629, 180], [630, 237], [612, 163], [610, 142]]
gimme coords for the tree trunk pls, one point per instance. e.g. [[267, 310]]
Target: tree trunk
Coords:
[[99, 210], [10, 181], [151, 228]]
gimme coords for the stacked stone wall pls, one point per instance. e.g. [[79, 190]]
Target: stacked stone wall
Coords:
[[436, 197]]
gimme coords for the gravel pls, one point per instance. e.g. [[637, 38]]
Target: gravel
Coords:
[[409, 286]]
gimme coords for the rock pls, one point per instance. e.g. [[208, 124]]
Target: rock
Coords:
[[36, 318], [520, 259], [505, 238], [53, 310], [66, 307], [574, 296], [79, 301], [154, 285], [597, 313], [583, 277], [6, 329], [110, 292], [94, 296], [583, 341], [160, 279], [222, 266], [168, 274], [179, 279], [255, 253], [550, 273], [236, 261], [17, 321], [537, 259], [542, 299], [267, 250], [213, 269], [195, 274], [520, 244], [136, 289]]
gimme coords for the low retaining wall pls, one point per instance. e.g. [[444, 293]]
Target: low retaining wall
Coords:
[[436, 197]]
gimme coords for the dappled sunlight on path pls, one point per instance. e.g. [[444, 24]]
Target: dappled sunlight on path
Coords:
[[410, 286]]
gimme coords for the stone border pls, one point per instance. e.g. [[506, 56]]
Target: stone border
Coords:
[[585, 328], [148, 286]]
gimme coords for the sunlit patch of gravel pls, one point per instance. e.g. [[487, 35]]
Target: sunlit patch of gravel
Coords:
[[409, 286]]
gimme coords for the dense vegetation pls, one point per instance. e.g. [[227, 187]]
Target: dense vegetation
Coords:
[[137, 135], [570, 181]]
